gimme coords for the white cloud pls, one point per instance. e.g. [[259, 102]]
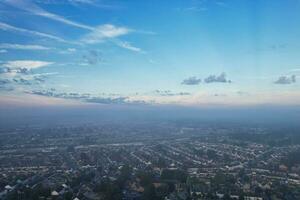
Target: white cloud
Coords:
[[36, 10], [109, 32], [3, 51], [97, 35], [127, 45], [71, 49], [295, 70], [106, 31], [23, 47], [95, 3], [82, 1], [7, 27], [27, 64], [68, 51]]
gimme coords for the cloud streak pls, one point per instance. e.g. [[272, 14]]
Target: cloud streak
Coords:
[[97, 34], [95, 3], [88, 98], [127, 45], [7, 27], [36, 10], [23, 47], [26, 64], [103, 32]]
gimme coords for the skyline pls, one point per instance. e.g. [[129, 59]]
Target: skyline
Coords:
[[193, 53]]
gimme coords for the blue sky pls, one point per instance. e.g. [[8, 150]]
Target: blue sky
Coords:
[[198, 52]]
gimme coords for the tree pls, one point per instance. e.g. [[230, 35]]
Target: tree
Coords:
[[174, 175], [149, 193], [145, 178]]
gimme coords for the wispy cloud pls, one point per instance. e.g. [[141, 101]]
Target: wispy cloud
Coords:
[[103, 32], [86, 97], [110, 32], [23, 46], [97, 34], [3, 51], [36, 10], [195, 6], [286, 80], [25, 64], [94, 3], [221, 3], [7, 27], [295, 70], [127, 45]]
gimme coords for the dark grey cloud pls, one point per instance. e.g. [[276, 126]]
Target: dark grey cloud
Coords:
[[278, 46], [52, 93], [170, 93], [40, 79], [7, 70], [92, 57], [118, 100], [270, 47], [242, 93], [21, 76], [183, 93], [85, 97], [10, 84], [193, 80], [23, 71], [219, 95], [5, 85], [286, 80], [4, 81], [34, 80], [22, 81], [217, 79], [4, 70]]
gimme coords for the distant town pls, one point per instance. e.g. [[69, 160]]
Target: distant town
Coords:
[[157, 160]]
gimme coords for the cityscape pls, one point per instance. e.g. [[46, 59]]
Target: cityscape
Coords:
[[150, 161], [149, 100]]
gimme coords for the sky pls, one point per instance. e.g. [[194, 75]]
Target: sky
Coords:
[[173, 52]]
